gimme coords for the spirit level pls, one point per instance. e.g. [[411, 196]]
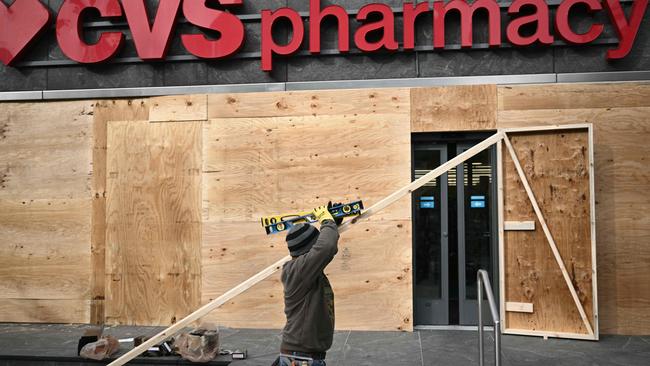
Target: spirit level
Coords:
[[279, 223]]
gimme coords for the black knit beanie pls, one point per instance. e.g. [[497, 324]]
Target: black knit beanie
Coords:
[[301, 238]]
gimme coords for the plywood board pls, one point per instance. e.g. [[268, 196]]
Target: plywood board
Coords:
[[556, 165], [358, 282], [43, 157], [178, 108], [621, 151], [456, 108], [309, 103], [261, 166], [153, 221], [255, 167], [574, 96], [104, 111], [45, 210]]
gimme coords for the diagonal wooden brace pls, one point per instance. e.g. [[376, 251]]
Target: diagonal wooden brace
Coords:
[[394, 197]]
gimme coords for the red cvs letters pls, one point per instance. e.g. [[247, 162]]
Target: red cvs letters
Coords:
[[23, 21]]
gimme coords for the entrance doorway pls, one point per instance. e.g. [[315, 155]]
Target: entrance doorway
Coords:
[[454, 229]]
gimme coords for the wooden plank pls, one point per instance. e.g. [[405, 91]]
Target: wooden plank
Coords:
[[253, 167], [265, 273], [620, 158], [592, 225], [456, 108], [309, 103], [153, 217], [549, 237], [572, 96], [547, 334], [625, 118], [178, 108], [44, 311], [519, 225], [519, 307], [501, 233], [104, 111]]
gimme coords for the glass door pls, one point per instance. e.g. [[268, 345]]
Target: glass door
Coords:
[[431, 290], [454, 231], [477, 216]]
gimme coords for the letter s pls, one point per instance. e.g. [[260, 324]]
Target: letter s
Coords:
[[230, 27]]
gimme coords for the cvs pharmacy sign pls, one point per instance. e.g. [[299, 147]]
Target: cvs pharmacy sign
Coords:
[[24, 20]]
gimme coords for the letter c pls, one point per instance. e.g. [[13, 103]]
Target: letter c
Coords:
[[69, 31]]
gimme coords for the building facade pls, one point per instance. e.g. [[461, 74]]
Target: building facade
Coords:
[[135, 169]]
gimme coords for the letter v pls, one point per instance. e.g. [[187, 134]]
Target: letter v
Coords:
[[151, 42]]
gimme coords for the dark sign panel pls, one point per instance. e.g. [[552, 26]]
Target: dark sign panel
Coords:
[[22, 22]]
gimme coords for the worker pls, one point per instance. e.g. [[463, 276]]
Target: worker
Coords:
[[308, 296]]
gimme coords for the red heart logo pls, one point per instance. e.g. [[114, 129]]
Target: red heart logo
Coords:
[[20, 23]]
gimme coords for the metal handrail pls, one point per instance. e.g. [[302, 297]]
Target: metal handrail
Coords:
[[483, 279]]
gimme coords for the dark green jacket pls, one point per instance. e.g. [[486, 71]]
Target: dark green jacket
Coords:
[[308, 296]]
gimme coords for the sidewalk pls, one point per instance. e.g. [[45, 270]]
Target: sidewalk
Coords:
[[444, 348]]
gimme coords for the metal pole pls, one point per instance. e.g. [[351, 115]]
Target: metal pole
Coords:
[[480, 318], [482, 279], [497, 343]]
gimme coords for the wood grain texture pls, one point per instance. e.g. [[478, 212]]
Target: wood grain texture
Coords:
[[260, 166], [45, 210], [556, 166], [104, 111], [358, 281], [44, 311], [309, 103], [153, 210], [622, 223], [574, 96], [253, 167], [42, 157], [45, 252], [455, 108], [178, 108]]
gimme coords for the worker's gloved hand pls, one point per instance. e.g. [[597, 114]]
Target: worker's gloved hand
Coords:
[[322, 213], [337, 220]]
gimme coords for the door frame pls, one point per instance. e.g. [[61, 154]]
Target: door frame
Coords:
[[442, 303], [467, 308]]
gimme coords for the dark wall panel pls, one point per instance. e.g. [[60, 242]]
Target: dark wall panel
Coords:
[[105, 76], [234, 71], [379, 66], [486, 62], [12, 79], [592, 59]]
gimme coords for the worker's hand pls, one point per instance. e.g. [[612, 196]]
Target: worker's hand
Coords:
[[321, 214], [337, 220]]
